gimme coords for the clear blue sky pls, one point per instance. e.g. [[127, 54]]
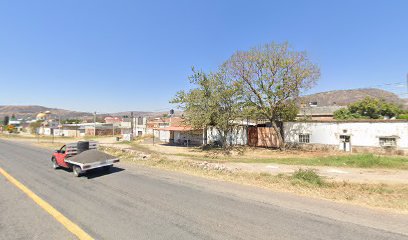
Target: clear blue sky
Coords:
[[127, 55]]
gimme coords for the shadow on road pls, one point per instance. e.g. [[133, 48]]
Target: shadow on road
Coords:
[[95, 173], [99, 172]]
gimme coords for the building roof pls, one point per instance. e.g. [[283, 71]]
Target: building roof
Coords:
[[318, 111], [178, 128]]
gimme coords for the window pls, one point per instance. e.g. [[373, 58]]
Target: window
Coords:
[[388, 141], [139, 121], [344, 138], [304, 138]]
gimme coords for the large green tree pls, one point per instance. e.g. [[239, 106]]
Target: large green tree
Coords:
[[272, 77], [369, 108], [212, 101], [6, 120]]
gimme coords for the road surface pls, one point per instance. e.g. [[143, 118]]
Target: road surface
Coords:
[[134, 202]]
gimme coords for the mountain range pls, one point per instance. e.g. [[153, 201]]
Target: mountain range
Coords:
[[330, 98], [345, 97]]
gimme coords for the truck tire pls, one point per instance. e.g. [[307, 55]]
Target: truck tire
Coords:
[[77, 171], [54, 163]]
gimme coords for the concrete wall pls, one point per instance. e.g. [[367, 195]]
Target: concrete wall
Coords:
[[194, 137], [102, 132], [362, 134], [67, 132], [164, 135], [236, 137]]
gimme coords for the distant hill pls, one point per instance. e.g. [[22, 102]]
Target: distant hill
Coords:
[[345, 97], [31, 111], [145, 114], [323, 99]]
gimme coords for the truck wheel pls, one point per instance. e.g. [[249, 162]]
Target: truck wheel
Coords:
[[77, 171], [54, 163]]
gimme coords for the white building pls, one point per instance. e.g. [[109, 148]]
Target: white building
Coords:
[[356, 136], [179, 135], [238, 136], [139, 128]]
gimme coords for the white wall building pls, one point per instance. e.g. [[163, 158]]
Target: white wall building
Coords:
[[140, 126], [350, 135], [237, 137]]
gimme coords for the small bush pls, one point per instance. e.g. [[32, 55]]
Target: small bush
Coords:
[[308, 176], [403, 116]]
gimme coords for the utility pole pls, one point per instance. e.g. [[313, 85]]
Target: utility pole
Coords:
[[94, 123], [131, 125]]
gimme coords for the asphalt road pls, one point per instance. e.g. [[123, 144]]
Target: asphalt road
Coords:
[[141, 203]]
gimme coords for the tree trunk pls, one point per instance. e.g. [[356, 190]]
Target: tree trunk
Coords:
[[223, 139], [205, 136], [281, 144]]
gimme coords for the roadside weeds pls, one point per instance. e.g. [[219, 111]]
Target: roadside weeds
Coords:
[[304, 182]]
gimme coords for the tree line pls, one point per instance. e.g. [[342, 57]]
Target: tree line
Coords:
[[371, 108]]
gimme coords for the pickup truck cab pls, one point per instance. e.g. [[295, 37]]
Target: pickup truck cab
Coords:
[[81, 157], [58, 158]]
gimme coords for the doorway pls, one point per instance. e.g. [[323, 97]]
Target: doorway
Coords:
[[345, 143]]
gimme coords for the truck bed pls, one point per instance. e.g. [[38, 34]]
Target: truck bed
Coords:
[[92, 159]]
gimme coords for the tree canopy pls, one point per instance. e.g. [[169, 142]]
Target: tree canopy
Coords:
[[71, 121], [212, 101], [6, 120], [262, 83], [369, 108], [34, 125], [272, 76]]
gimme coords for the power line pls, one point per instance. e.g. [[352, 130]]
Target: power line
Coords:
[[394, 85]]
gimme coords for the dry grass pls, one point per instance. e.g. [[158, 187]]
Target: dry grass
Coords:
[[289, 157], [303, 182]]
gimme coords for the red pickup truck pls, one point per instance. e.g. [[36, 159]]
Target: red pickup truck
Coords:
[[81, 157]]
